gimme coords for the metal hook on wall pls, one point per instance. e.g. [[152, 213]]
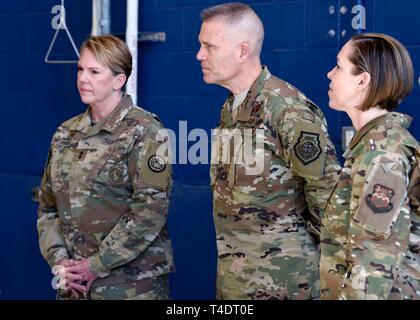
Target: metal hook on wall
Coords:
[[62, 25]]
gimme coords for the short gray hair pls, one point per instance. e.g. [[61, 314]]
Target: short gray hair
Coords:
[[241, 15]]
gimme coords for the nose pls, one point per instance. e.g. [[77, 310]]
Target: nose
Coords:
[[329, 74], [200, 54], [81, 75]]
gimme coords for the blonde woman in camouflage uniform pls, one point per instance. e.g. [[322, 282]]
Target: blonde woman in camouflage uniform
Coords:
[[370, 233], [105, 189], [266, 210]]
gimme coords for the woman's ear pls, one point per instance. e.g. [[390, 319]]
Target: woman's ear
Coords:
[[364, 80], [119, 81]]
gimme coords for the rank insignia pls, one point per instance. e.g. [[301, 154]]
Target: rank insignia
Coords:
[[256, 108], [380, 200], [156, 163], [308, 147]]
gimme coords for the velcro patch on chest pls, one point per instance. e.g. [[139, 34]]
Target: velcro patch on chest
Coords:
[[116, 175]]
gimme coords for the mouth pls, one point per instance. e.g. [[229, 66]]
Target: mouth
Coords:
[[85, 91]]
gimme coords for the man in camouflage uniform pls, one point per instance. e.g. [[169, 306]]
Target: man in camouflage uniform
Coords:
[[267, 208], [369, 248], [104, 197]]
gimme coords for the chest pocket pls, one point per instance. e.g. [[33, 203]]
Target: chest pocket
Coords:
[[110, 169], [60, 162], [250, 163]]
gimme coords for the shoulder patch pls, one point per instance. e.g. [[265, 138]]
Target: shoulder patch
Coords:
[[154, 169], [382, 196], [308, 150], [156, 163], [379, 201], [308, 147]]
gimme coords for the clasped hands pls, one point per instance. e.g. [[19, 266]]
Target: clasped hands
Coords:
[[74, 276]]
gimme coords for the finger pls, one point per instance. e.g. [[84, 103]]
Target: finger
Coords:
[[69, 263], [79, 287], [58, 269], [76, 269], [75, 293], [73, 276], [89, 284], [67, 284]]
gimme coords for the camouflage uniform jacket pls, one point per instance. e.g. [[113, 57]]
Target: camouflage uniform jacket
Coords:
[[105, 195], [263, 225], [370, 232]]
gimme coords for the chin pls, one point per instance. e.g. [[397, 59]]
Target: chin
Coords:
[[207, 80], [332, 105], [86, 100], [335, 107]]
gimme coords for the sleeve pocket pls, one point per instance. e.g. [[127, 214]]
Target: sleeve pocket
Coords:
[[382, 196], [154, 167]]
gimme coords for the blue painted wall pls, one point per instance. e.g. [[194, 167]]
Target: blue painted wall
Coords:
[[36, 97]]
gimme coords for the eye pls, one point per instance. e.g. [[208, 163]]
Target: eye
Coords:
[[79, 68], [95, 71]]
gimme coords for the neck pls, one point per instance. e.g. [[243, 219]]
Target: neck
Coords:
[[102, 109], [360, 118], [245, 78]]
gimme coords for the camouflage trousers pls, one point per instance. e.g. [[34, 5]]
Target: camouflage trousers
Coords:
[[147, 289], [297, 279]]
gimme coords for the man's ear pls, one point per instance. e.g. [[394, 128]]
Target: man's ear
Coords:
[[119, 81], [364, 80], [245, 51]]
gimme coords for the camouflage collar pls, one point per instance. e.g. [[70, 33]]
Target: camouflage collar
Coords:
[[249, 104], [111, 122], [390, 118]]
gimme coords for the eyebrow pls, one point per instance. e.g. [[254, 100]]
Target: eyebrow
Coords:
[[79, 66], [206, 43]]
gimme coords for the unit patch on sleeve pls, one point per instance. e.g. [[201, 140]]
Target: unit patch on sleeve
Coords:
[[154, 169], [380, 200], [156, 163], [308, 147], [382, 196]]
